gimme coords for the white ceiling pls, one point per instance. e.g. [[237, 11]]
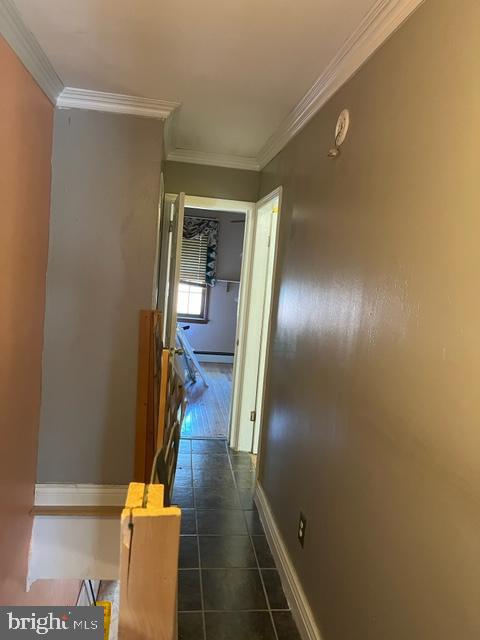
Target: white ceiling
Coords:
[[238, 67]]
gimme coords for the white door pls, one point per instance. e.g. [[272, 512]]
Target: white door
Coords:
[[257, 333], [172, 275]]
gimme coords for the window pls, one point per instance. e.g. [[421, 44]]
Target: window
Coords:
[[192, 290], [193, 263], [192, 301]]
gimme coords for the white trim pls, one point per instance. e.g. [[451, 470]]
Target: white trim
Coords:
[[170, 131], [249, 209], [218, 204], [115, 103], [266, 339], [385, 17], [48, 495], [244, 399], [301, 610], [214, 159], [242, 326], [212, 357], [25, 45], [378, 25]]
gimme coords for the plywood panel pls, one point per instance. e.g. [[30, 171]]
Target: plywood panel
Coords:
[[149, 543]]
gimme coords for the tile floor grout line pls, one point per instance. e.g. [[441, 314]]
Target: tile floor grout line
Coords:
[[249, 533], [234, 568], [267, 601], [202, 601], [232, 610]]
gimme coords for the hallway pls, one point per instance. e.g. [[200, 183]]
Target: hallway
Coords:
[[229, 588], [311, 218]]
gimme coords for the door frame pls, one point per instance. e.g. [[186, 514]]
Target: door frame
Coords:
[[249, 210], [240, 372], [165, 264]]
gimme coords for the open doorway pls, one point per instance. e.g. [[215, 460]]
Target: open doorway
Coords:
[[207, 310], [251, 363], [217, 296]]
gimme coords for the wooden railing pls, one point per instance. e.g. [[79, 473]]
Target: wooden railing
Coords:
[[160, 406], [150, 527], [150, 535]]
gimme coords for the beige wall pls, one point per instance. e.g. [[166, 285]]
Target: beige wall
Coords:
[[106, 176], [373, 403], [212, 182], [25, 152]]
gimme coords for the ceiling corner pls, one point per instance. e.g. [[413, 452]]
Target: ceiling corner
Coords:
[[25, 45], [75, 98], [214, 159], [379, 23]]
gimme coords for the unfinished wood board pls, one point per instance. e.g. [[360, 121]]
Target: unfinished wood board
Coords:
[[163, 401], [149, 543], [149, 388]]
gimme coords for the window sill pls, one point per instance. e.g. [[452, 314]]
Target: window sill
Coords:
[[192, 320]]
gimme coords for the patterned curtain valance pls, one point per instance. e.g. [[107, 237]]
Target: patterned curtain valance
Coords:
[[193, 227]]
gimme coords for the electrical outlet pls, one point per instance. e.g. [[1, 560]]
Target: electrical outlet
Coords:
[[302, 525]]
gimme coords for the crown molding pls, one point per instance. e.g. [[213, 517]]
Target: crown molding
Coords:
[[74, 98], [385, 17], [379, 23], [25, 45], [214, 159], [170, 132]]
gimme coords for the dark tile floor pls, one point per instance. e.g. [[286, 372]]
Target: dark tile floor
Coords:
[[229, 588]]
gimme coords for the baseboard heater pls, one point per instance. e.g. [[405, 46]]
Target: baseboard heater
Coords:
[[221, 357]]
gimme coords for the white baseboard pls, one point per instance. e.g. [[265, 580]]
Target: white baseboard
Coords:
[[48, 495], [212, 357], [301, 610]]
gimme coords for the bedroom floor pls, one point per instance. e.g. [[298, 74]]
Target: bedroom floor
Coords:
[[208, 409]]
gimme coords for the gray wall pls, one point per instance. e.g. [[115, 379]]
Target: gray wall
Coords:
[[212, 182], [218, 334], [106, 174], [373, 408]]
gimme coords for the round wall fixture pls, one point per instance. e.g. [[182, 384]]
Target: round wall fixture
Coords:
[[341, 129]]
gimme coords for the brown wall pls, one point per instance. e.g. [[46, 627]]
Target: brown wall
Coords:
[[212, 182], [373, 415], [26, 119]]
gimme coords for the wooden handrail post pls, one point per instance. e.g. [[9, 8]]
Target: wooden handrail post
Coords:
[[149, 544]]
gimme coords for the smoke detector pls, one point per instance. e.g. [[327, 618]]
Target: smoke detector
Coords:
[[341, 131]]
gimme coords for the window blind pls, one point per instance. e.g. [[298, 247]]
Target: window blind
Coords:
[[193, 262]]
